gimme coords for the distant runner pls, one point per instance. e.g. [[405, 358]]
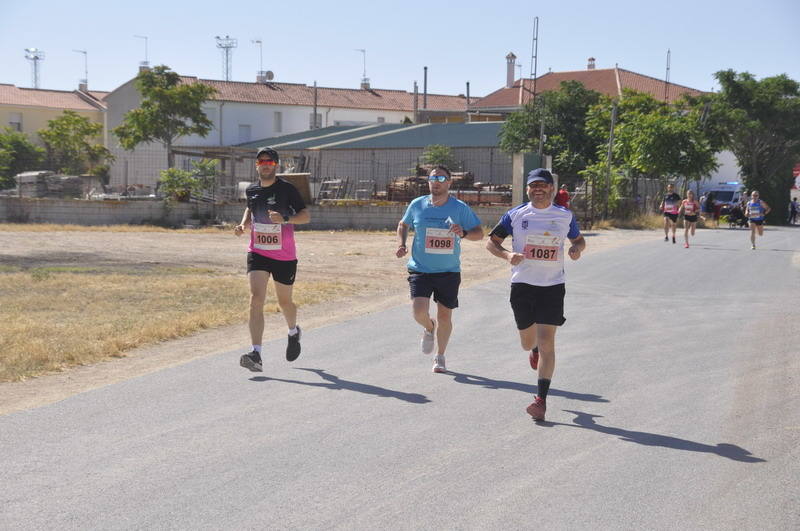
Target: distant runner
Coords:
[[669, 206], [690, 209], [439, 222], [538, 229], [756, 210], [274, 206]]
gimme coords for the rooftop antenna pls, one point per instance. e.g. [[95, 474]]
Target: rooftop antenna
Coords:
[[85, 80], [666, 79], [260, 55], [226, 44], [364, 78], [535, 55], [145, 62], [34, 55]]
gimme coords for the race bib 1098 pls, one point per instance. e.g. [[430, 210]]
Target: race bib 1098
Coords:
[[439, 241]]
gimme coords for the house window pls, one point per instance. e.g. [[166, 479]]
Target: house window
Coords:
[[15, 121], [244, 133], [314, 124], [278, 122], [381, 120]]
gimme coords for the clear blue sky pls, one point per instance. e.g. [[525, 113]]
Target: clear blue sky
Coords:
[[458, 41]]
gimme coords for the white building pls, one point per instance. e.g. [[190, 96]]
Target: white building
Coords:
[[242, 112]]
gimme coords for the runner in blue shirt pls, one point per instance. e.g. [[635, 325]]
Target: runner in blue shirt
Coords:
[[756, 210], [439, 222], [538, 230]]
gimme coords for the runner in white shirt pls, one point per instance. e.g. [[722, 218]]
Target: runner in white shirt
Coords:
[[538, 229]]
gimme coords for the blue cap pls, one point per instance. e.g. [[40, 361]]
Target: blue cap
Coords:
[[540, 174]]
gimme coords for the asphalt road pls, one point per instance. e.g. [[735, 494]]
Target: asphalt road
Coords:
[[674, 405]]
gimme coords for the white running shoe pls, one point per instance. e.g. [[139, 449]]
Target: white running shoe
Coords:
[[428, 339], [438, 363]]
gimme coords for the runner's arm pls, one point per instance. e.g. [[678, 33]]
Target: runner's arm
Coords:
[[402, 236], [495, 246], [767, 208], [300, 218], [577, 247], [239, 229]]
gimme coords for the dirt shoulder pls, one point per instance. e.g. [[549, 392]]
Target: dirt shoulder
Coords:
[[364, 260]]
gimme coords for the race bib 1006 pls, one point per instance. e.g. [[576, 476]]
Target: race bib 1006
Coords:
[[542, 248], [267, 236], [439, 241]]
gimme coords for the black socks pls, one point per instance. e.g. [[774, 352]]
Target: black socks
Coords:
[[543, 386]]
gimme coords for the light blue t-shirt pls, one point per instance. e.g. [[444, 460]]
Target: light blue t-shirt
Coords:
[[435, 250]]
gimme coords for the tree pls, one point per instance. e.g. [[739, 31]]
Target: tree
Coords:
[[17, 154], [169, 110], [651, 139], [759, 121], [70, 142], [564, 115], [180, 184], [438, 154]]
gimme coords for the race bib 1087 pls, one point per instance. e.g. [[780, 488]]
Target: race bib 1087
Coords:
[[542, 248]]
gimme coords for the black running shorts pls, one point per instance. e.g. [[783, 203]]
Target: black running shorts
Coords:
[[673, 217], [283, 271], [756, 221], [537, 304], [443, 287], [690, 219]]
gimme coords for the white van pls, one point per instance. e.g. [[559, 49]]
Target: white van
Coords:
[[725, 192]]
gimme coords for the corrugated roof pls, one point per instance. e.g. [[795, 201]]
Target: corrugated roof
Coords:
[[325, 136], [298, 94], [53, 99], [608, 81]]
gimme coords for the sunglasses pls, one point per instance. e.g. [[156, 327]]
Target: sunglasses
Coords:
[[438, 178], [266, 163]]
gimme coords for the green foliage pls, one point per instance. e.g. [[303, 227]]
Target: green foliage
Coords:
[[759, 121], [179, 184], [169, 110], [438, 154], [70, 142], [564, 114], [17, 154]]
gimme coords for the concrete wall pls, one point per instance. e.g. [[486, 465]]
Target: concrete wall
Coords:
[[80, 212]]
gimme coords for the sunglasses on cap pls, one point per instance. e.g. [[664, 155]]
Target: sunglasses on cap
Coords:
[[438, 178], [265, 163]]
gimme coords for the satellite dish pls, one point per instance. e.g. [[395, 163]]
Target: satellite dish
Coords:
[[269, 75]]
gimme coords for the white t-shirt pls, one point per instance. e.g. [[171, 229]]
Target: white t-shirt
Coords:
[[539, 234]]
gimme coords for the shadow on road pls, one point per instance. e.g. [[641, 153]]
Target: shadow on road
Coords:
[[336, 384], [488, 383], [731, 451]]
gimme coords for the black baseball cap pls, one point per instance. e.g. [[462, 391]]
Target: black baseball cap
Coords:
[[540, 174], [268, 151]]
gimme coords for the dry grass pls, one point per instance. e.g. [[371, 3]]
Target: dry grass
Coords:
[[58, 317], [52, 227], [641, 222]]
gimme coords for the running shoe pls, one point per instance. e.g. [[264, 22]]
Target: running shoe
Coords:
[[666, 238], [537, 408], [753, 247], [533, 357], [685, 245], [251, 361], [438, 364], [293, 346], [673, 239], [428, 339]]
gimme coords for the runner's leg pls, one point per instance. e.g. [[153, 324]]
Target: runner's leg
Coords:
[[527, 338], [546, 338], [444, 327], [258, 294], [283, 293], [421, 308]]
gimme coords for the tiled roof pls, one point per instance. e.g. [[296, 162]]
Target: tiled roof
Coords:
[[297, 94], [53, 99], [609, 81]]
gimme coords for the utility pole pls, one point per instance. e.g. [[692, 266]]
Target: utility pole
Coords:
[[610, 155], [144, 63], [85, 79]]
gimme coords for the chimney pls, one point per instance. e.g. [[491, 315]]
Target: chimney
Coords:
[[364, 83], [511, 59], [83, 87], [590, 66], [144, 66]]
